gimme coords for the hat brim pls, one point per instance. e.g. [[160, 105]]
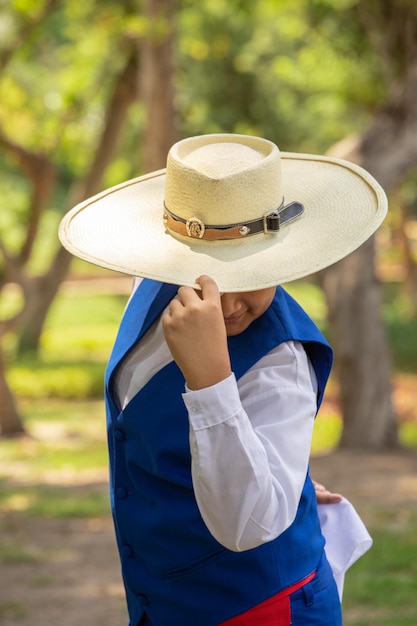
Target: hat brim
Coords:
[[122, 229]]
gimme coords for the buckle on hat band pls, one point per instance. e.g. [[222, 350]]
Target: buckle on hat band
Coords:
[[195, 228]]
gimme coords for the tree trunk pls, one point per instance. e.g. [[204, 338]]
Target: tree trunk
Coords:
[[156, 53], [362, 360], [10, 423], [41, 294]]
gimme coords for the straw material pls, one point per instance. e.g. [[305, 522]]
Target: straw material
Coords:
[[223, 180]]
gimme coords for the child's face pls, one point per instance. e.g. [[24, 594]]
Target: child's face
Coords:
[[241, 309]]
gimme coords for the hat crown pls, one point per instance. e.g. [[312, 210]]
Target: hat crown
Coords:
[[223, 179]]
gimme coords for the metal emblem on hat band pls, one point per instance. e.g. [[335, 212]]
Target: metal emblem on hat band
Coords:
[[195, 227]]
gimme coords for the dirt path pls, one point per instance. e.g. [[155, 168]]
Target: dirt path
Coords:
[[69, 571], [370, 481], [68, 574]]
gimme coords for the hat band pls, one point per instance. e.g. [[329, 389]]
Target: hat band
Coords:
[[195, 228]]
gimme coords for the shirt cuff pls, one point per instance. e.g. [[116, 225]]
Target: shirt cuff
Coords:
[[213, 405]]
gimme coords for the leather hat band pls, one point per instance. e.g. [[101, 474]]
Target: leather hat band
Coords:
[[271, 222]]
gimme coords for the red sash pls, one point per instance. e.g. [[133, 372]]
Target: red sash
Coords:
[[276, 611]]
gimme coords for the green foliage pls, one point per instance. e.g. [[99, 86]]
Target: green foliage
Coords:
[[54, 90], [402, 334], [287, 71], [14, 191], [401, 328], [309, 295], [408, 435], [327, 433]]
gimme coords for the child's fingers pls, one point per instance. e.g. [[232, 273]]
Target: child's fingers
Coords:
[[187, 294], [209, 287], [324, 496]]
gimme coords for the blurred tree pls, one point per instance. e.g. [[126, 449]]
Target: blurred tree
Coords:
[[157, 85], [17, 33], [72, 136], [388, 149], [60, 135]]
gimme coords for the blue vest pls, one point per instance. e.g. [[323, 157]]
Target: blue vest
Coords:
[[173, 568]]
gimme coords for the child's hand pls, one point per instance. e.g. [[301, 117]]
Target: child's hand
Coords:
[[324, 496], [196, 334]]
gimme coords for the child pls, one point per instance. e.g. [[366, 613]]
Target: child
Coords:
[[213, 386]]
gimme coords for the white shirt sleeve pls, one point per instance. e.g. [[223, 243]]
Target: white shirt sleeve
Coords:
[[250, 445]]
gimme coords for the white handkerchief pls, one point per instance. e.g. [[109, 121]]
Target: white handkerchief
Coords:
[[347, 538]]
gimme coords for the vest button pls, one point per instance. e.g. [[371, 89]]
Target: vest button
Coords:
[[127, 552], [121, 493], [119, 434]]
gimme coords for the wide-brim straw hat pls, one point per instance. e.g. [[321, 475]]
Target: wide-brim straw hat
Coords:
[[233, 207]]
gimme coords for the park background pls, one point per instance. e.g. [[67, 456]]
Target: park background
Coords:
[[94, 93]]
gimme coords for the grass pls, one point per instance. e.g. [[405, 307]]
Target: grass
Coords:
[[60, 470], [75, 345], [54, 501], [13, 552], [381, 588], [12, 610]]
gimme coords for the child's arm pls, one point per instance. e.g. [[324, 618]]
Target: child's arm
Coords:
[[247, 473], [248, 466]]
